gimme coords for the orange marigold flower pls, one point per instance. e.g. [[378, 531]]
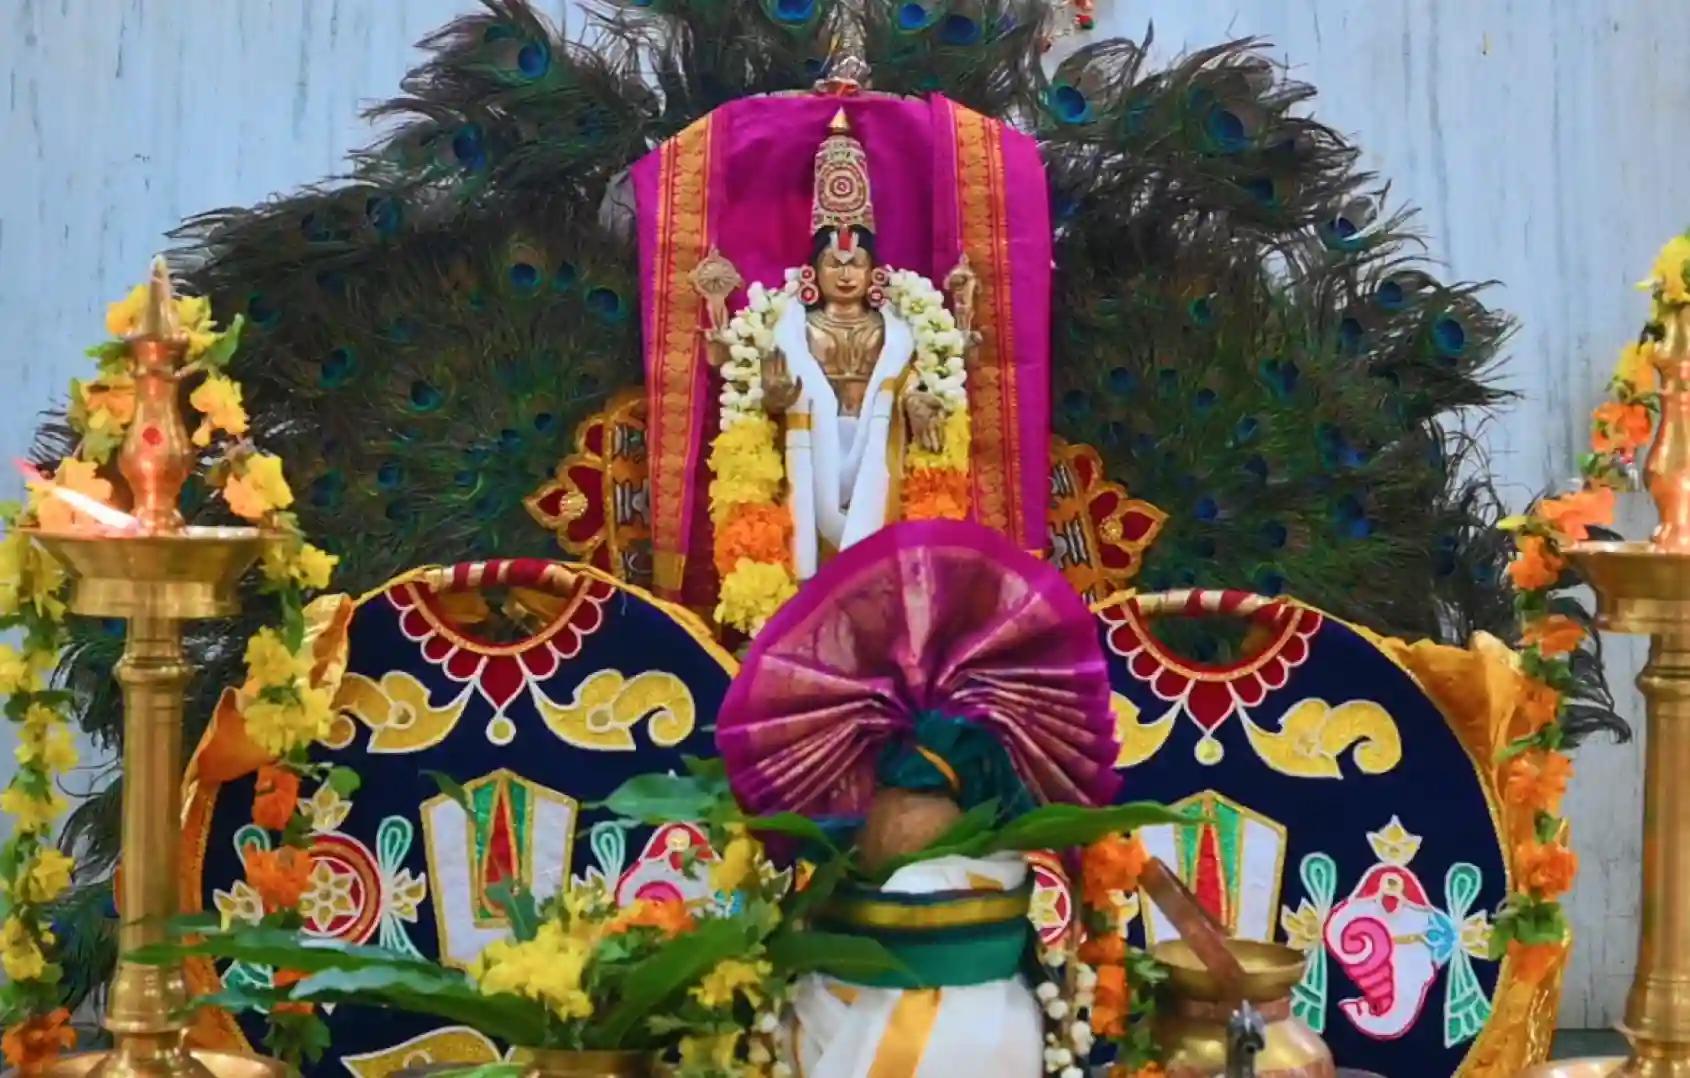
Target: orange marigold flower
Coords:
[[1547, 868], [668, 915], [274, 797], [935, 494], [1555, 635], [1111, 864], [762, 533], [285, 978], [1108, 949], [1109, 1002], [1537, 706], [37, 1040], [1532, 962], [1537, 780], [1620, 427], [1573, 515], [281, 877], [1536, 565]]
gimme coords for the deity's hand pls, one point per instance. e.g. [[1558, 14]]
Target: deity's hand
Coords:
[[780, 389], [927, 420]]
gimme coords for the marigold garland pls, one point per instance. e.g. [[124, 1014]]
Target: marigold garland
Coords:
[[284, 710], [1531, 928]]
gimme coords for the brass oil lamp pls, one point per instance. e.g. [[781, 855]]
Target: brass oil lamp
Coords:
[[155, 575]]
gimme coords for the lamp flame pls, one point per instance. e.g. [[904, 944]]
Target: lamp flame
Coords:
[[106, 516]]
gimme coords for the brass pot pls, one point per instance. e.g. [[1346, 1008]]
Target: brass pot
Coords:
[[563, 1063], [1192, 1032]]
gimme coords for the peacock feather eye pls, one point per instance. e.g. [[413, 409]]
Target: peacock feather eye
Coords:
[[1068, 104], [1261, 189], [510, 440], [426, 397], [468, 148], [565, 276], [1077, 403], [1257, 468], [1206, 509], [326, 490], [1167, 381], [792, 12], [338, 368], [1202, 311], [385, 214], [400, 330], [534, 59], [466, 477], [1274, 534], [1204, 401], [1390, 295], [913, 17], [1245, 430], [524, 277], [1122, 381], [1351, 336], [1225, 130], [1449, 336], [606, 303], [260, 311], [958, 30], [391, 475], [545, 422], [1269, 582]]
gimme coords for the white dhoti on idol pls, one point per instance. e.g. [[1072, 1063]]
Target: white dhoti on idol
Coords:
[[989, 1029], [838, 467]]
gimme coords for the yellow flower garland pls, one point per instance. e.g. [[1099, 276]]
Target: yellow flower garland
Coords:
[[1532, 926]]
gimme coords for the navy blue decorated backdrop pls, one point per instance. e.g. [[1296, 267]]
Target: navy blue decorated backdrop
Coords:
[[1344, 817], [616, 684]]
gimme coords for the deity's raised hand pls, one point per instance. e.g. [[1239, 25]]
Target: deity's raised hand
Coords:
[[780, 389], [927, 420]]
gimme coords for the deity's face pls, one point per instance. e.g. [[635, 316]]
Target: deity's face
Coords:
[[843, 276]]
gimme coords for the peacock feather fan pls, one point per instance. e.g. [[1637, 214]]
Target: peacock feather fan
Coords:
[[1246, 332]]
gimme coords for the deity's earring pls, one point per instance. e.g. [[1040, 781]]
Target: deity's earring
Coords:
[[878, 279], [809, 294]]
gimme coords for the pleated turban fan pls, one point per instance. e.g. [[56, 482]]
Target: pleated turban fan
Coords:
[[934, 655]]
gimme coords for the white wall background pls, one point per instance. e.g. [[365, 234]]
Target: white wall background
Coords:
[[1536, 135]]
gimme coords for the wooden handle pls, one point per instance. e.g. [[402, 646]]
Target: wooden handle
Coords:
[[1206, 939]]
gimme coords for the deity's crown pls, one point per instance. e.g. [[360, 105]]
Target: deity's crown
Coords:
[[842, 197]]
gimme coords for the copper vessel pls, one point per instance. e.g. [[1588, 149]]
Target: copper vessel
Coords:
[[1193, 1032]]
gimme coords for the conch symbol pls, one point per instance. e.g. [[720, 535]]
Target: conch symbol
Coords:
[[1389, 939]]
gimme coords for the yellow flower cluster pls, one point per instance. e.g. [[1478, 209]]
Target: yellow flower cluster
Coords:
[[1669, 278], [730, 977], [257, 487], [737, 866], [193, 313], [283, 710], [22, 949], [753, 592], [218, 400], [747, 466], [547, 969], [32, 588]]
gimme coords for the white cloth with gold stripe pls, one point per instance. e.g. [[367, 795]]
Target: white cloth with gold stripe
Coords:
[[991, 1030]]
